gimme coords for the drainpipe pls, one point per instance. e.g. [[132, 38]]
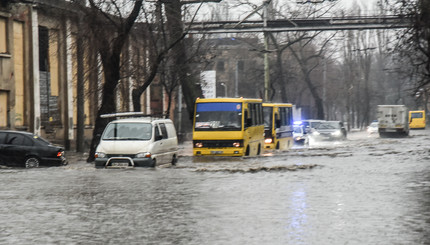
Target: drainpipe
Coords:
[[36, 74]]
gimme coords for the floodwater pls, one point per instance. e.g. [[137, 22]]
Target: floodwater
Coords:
[[366, 190]]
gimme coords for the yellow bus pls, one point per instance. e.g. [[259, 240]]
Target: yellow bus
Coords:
[[417, 119], [228, 127], [278, 126]]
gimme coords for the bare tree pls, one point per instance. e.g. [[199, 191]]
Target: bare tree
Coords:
[[414, 42], [308, 58], [109, 29]]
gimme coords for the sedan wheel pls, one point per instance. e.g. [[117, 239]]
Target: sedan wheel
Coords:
[[32, 162]]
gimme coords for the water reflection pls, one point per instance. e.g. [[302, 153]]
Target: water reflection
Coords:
[[364, 192], [297, 216]]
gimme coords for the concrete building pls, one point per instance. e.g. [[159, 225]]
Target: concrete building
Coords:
[[39, 72]]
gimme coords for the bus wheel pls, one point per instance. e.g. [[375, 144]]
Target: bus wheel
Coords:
[[259, 150], [247, 151], [277, 146]]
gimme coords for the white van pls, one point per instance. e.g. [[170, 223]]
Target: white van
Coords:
[[137, 142], [393, 120]]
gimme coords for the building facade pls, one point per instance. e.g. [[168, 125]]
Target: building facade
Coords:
[[39, 73]]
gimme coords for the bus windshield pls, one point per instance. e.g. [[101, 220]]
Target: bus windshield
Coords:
[[267, 111], [218, 116]]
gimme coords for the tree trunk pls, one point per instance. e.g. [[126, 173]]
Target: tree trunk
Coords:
[[111, 68], [190, 89]]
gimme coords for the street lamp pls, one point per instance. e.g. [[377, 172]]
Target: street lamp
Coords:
[[225, 88]]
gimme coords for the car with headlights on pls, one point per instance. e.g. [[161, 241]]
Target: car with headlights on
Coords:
[[329, 130], [300, 136], [24, 149], [373, 128]]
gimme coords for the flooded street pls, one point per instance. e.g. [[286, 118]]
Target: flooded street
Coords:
[[365, 190]]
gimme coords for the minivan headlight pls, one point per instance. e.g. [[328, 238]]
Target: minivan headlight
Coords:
[[100, 155], [143, 155]]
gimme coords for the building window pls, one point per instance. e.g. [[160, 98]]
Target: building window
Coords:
[[240, 65], [43, 48], [3, 36], [220, 66]]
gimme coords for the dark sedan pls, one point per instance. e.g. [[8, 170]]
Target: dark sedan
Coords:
[[28, 150]]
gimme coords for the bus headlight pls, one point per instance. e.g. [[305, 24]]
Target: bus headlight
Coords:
[[268, 140], [236, 144], [199, 145]]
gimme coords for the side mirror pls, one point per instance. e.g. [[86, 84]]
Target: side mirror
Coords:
[[248, 122]]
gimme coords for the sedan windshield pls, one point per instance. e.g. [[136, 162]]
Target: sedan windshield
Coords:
[[128, 131], [298, 130], [328, 125]]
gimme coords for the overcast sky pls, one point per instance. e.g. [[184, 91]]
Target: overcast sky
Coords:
[[224, 10]]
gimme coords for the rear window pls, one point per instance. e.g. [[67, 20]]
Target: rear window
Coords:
[[128, 131], [417, 115]]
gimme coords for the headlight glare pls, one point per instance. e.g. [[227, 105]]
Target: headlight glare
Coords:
[[100, 155], [337, 133]]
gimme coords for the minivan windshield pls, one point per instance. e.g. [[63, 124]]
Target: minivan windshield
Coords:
[[128, 131]]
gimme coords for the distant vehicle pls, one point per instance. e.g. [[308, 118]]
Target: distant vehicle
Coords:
[[393, 120], [228, 127], [417, 119], [137, 142], [24, 149], [300, 135], [373, 128], [278, 126], [329, 130], [311, 123]]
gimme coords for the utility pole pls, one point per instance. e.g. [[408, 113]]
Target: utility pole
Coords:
[[266, 44], [266, 52]]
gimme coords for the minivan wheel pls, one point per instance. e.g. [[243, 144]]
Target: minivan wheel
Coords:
[[247, 151], [31, 162], [154, 163], [174, 160]]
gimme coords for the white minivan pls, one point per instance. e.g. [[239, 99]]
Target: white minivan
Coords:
[[137, 142]]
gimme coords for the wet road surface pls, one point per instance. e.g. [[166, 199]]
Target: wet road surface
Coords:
[[366, 190]]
